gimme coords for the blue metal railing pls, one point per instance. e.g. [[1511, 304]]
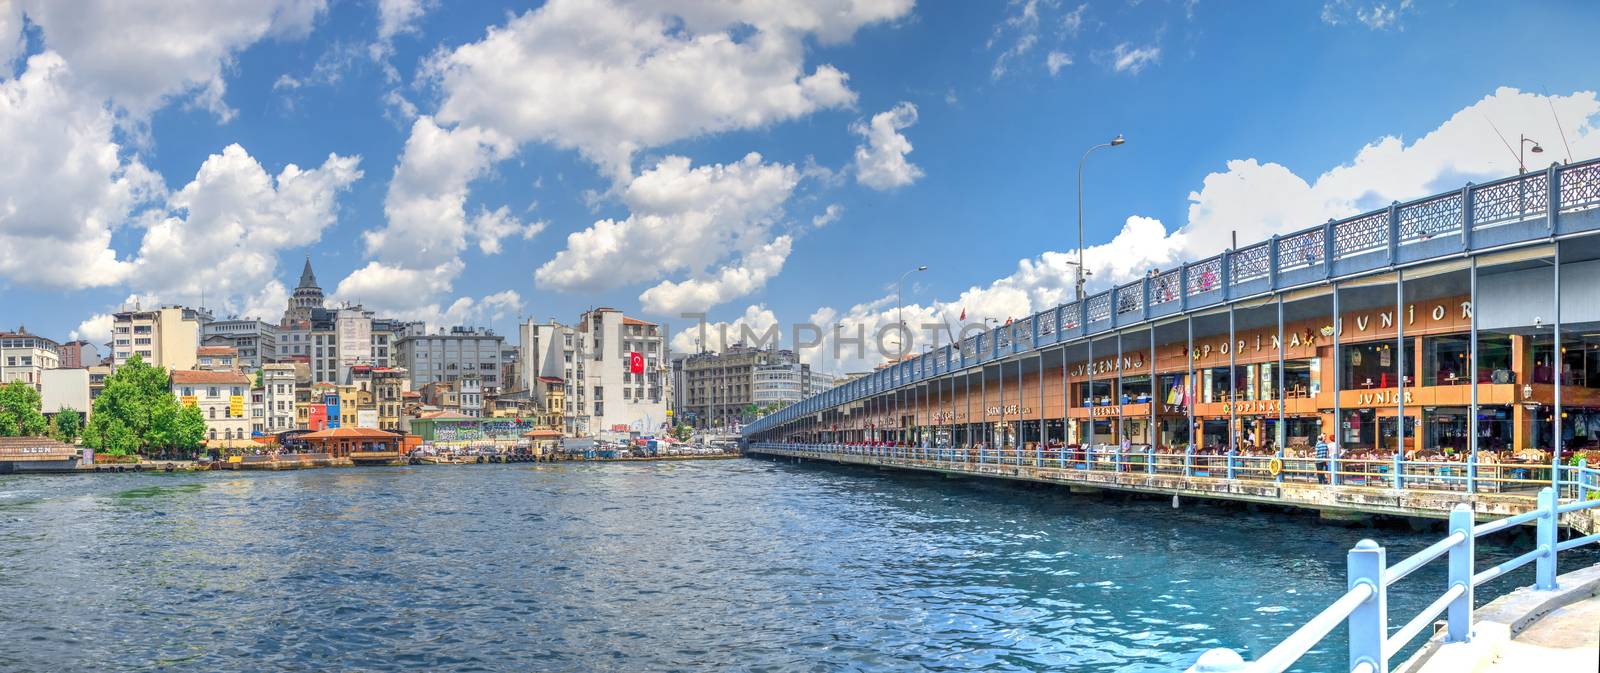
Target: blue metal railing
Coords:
[[1466, 476], [1517, 209]]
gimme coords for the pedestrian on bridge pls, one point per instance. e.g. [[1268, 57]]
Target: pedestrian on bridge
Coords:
[[1322, 458]]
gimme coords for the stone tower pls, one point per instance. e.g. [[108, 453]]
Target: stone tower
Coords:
[[307, 295]]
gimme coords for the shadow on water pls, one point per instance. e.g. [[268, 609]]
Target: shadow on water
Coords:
[[159, 491]]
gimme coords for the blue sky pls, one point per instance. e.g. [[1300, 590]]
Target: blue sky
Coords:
[[472, 162]]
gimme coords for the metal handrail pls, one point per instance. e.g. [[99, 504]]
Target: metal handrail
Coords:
[[1561, 198]]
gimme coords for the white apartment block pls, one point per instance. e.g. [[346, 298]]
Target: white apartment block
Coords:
[[609, 396], [277, 398], [24, 357]]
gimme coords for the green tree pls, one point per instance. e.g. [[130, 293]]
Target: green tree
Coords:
[[137, 412], [19, 411], [67, 425], [682, 432], [261, 380]]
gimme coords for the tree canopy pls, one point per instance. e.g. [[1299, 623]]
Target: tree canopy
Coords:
[[136, 412], [67, 425], [19, 411]]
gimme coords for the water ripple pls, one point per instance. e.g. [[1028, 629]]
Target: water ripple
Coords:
[[725, 566]]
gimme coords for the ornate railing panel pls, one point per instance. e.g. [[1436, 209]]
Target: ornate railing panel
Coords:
[[1099, 307], [1361, 235], [1438, 216], [1069, 317], [1047, 323], [1164, 288], [1300, 251], [1022, 332], [1580, 188], [1130, 299], [1251, 263], [1204, 276], [1511, 200]]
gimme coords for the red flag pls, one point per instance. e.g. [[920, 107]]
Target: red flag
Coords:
[[636, 363], [963, 313]]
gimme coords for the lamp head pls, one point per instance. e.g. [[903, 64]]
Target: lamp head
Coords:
[[1118, 140], [1537, 149]]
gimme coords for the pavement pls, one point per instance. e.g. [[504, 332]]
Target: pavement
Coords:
[[1566, 640]]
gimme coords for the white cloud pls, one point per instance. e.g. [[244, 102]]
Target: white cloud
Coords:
[[400, 16], [610, 78], [10, 34], [1024, 24], [142, 54], [717, 336], [683, 219], [226, 227], [607, 78], [828, 216], [1374, 15], [1130, 59], [750, 273], [489, 226], [1072, 21], [1056, 60], [881, 163], [63, 184], [96, 329]]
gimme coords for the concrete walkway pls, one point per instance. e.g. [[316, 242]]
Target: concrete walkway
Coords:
[[1566, 640], [1526, 631]]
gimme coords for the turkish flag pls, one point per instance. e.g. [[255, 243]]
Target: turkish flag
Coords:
[[963, 315], [636, 363]]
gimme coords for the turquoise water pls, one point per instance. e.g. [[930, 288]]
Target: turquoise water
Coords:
[[741, 565]]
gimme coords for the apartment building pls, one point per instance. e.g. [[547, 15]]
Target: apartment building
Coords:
[[165, 337]]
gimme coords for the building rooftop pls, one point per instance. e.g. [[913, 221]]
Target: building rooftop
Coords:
[[194, 377]]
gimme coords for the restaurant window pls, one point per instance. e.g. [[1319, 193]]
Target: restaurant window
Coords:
[[1372, 365], [1444, 359], [1301, 377], [1136, 389], [1444, 429]]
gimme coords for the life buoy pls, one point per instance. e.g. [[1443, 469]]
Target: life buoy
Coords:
[[1275, 466]]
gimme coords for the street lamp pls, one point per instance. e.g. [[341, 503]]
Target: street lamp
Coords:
[[900, 311], [1114, 142], [1521, 167]]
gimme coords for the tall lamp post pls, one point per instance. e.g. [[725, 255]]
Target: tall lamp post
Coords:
[[1522, 145], [1114, 142], [899, 308]]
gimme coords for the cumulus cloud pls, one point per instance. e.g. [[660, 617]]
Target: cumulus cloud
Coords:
[[140, 55], [610, 78], [400, 16], [64, 185], [226, 227], [95, 329], [756, 320], [607, 78], [881, 162], [490, 226], [750, 273], [1133, 60], [683, 219]]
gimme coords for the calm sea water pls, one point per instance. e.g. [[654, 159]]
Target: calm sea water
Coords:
[[698, 566]]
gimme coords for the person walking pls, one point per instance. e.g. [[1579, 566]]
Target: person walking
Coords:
[[1322, 458]]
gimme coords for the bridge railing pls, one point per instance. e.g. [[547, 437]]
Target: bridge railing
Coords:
[[1460, 476]]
